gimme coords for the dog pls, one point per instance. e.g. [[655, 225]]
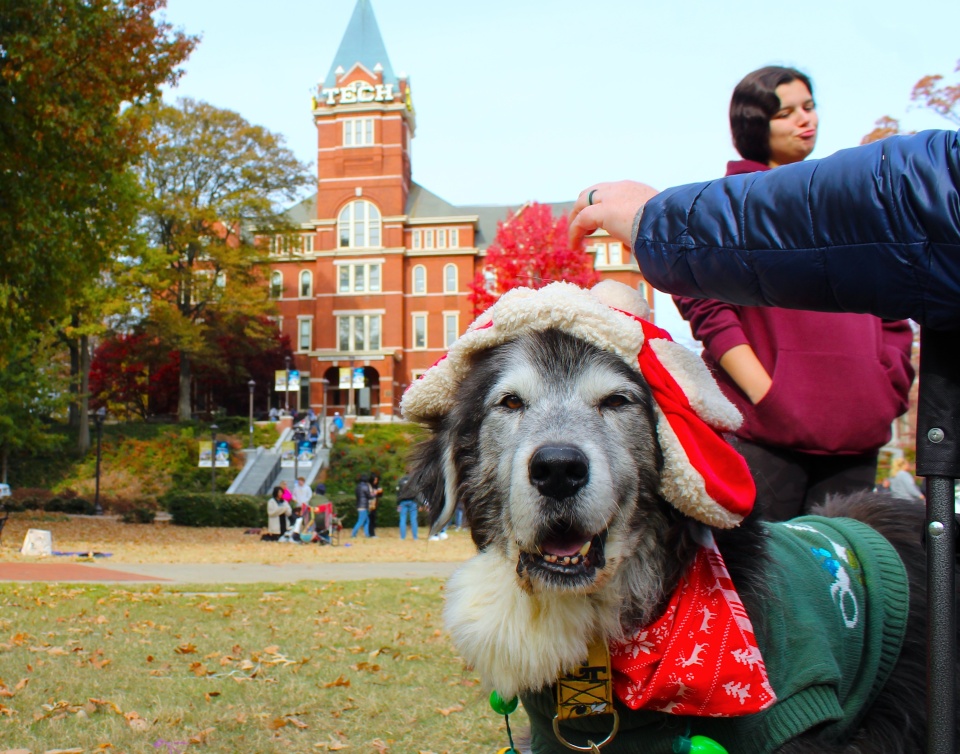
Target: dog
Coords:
[[608, 512]]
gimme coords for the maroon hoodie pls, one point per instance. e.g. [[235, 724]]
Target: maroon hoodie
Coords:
[[839, 380]]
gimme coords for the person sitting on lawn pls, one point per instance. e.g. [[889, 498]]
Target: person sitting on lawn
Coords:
[[277, 511]]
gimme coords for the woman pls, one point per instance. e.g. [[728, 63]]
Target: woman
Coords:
[[277, 511], [376, 492], [364, 493], [818, 392], [902, 483]]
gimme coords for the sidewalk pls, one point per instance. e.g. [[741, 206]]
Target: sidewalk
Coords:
[[221, 573]]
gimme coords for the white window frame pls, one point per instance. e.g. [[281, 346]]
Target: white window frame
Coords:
[[358, 132], [360, 224], [362, 277], [600, 255], [451, 328], [306, 243], [416, 239], [417, 319], [447, 287], [371, 324], [454, 235], [308, 276], [615, 253], [422, 287], [276, 289], [301, 331]]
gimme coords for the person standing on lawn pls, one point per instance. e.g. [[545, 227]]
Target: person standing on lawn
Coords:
[[363, 493], [301, 495], [407, 506], [376, 493]]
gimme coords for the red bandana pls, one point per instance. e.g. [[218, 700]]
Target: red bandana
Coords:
[[700, 658]]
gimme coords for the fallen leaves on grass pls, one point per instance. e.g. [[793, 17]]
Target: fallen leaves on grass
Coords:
[[446, 711]]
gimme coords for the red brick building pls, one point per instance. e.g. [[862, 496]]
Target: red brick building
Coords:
[[377, 287]]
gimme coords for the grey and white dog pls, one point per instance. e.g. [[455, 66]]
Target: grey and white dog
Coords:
[[585, 508]]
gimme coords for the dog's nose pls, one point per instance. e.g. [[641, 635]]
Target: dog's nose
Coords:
[[558, 471]]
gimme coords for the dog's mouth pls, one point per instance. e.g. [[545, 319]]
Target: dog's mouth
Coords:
[[567, 560]]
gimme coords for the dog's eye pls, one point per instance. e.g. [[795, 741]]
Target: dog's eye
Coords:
[[513, 402], [614, 401]]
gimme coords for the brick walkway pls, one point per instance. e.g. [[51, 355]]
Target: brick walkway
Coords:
[[66, 572]]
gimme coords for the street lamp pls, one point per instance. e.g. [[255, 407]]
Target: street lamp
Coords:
[[98, 418], [297, 439], [286, 387], [325, 383], [252, 384], [213, 457], [351, 409]]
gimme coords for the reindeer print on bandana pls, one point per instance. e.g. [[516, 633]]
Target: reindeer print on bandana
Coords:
[[700, 657]]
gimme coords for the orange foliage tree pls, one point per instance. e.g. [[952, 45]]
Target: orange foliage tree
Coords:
[[531, 249], [930, 92]]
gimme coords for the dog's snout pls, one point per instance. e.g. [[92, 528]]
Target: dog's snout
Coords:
[[558, 471]]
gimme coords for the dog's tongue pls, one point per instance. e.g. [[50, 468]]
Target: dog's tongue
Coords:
[[563, 547]]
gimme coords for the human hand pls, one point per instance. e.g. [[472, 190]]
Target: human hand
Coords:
[[613, 208]]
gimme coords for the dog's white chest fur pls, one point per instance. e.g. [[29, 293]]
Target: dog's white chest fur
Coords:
[[516, 640]]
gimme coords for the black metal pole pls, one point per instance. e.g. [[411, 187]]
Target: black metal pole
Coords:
[[213, 457], [938, 459], [98, 419], [252, 384]]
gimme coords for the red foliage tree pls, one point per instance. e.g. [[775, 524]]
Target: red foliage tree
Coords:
[[531, 249]]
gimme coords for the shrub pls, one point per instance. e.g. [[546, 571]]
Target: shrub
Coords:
[[68, 504], [139, 516], [27, 498], [215, 509]]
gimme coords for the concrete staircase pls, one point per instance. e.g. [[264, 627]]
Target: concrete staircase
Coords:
[[262, 471]]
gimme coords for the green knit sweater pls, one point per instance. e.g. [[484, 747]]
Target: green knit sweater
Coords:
[[827, 652]]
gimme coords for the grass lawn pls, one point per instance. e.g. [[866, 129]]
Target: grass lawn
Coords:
[[362, 666]]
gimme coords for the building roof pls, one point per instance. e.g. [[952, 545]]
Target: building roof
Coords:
[[423, 203], [362, 44]]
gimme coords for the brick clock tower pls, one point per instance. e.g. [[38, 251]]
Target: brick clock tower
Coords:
[[376, 288]]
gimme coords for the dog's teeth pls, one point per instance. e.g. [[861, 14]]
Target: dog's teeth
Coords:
[[585, 549], [550, 558], [566, 560]]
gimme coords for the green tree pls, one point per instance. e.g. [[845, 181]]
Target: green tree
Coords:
[[211, 179], [932, 93], [31, 392], [74, 75]]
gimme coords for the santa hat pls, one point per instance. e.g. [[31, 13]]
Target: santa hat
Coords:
[[703, 476]]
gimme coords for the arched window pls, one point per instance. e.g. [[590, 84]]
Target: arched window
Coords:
[[359, 225], [450, 278], [276, 284], [306, 284], [419, 279]]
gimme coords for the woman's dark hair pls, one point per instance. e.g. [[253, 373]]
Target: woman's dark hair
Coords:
[[753, 105], [277, 490]]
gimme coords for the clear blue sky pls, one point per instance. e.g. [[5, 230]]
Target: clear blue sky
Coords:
[[536, 100]]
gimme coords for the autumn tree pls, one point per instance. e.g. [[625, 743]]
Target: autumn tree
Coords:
[[211, 179], [932, 93], [532, 249], [74, 76]]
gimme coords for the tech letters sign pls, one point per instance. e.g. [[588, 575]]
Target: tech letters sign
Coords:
[[359, 91]]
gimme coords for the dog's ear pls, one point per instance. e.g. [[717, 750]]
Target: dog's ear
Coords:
[[428, 472]]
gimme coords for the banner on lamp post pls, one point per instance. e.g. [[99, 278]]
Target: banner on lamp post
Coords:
[[206, 454], [287, 451], [222, 456], [280, 383]]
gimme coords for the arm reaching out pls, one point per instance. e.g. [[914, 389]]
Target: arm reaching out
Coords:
[[611, 206]]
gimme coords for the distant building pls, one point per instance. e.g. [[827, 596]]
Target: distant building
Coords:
[[376, 289]]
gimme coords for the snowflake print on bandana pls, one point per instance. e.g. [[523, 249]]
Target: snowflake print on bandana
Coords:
[[699, 658]]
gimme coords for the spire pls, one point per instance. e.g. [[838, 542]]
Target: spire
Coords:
[[362, 44]]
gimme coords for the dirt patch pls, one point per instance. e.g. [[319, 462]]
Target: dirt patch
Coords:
[[163, 542]]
